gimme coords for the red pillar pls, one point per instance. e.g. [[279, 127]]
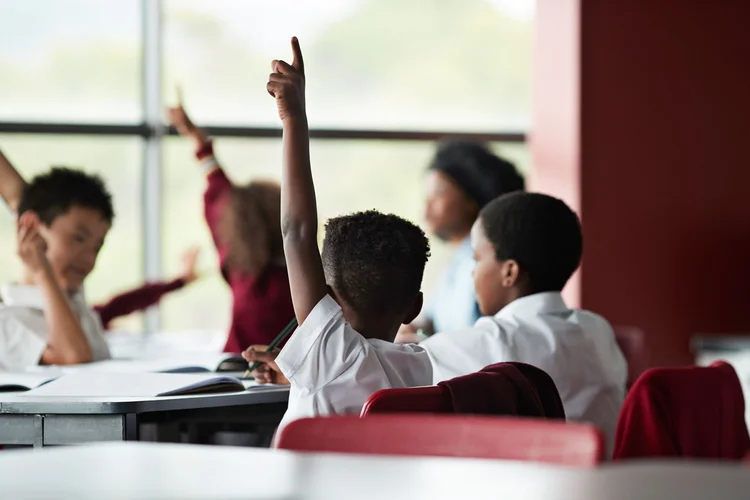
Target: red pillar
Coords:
[[642, 123]]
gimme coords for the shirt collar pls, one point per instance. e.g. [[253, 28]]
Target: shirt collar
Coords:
[[538, 303], [28, 296]]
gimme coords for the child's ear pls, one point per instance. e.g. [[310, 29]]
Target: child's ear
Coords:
[[414, 309], [511, 272]]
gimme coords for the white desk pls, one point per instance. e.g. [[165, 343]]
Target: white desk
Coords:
[[41, 421], [168, 471]]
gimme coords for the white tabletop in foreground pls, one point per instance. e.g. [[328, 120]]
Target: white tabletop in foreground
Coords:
[[165, 471]]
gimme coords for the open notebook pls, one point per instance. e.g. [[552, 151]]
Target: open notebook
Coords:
[[107, 384], [10, 381], [196, 363]]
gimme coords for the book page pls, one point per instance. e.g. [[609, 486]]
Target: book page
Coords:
[[106, 384], [194, 363]]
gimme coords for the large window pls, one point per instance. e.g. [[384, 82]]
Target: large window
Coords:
[[70, 61], [386, 79], [458, 65]]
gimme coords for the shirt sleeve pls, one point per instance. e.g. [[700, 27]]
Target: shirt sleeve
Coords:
[[20, 345], [215, 199], [135, 300], [461, 352], [322, 348]]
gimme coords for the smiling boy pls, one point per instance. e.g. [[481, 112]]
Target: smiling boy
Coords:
[[64, 217]]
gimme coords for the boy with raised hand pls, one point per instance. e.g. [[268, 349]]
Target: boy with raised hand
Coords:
[[349, 303], [64, 216]]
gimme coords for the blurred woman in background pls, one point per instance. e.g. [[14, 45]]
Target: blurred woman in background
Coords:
[[462, 178]]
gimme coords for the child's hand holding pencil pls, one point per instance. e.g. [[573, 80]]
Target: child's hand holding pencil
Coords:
[[264, 370]]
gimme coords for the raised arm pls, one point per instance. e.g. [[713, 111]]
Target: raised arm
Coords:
[[148, 294], [66, 341], [299, 213], [186, 128], [11, 184], [219, 186]]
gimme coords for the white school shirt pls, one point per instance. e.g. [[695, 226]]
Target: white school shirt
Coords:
[[23, 329], [333, 369], [576, 348]]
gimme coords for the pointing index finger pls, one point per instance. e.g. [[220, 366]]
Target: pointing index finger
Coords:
[[298, 63]]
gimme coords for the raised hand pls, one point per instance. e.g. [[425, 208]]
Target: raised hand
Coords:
[[189, 264], [31, 246], [179, 119], [287, 84]]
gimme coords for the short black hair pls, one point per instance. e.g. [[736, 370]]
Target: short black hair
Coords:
[[478, 171], [375, 261], [54, 193], [539, 232]]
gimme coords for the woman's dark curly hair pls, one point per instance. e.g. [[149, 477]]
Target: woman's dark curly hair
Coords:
[[250, 227]]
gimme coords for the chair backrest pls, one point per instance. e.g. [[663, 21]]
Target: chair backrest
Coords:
[[690, 412], [448, 436], [431, 399], [509, 389], [632, 343]]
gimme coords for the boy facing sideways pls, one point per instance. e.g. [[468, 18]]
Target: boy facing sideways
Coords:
[[526, 247], [351, 301], [64, 216]]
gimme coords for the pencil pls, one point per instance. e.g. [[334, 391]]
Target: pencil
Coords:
[[280, 337]]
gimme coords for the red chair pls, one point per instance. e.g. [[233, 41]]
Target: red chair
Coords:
[[448, 436], [632, 343], [434, 399], [510, 389], [690, 412]]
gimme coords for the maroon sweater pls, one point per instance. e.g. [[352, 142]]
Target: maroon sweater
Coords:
[[262, 304], [135, 300]]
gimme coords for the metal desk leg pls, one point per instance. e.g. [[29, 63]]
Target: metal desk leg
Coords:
[[38, 431], [130, 427]]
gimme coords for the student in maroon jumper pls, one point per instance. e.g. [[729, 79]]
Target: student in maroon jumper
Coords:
[[244, 224]]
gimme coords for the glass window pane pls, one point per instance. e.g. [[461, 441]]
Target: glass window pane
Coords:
[[118, 161], [70, 60], [349, 176], [444, 65]]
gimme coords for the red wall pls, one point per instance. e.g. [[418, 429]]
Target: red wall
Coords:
[[662, 174]]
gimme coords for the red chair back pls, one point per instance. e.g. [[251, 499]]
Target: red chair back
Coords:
[[448, 436], [432, 399], [689, 412], [632, 343], [512, 389]]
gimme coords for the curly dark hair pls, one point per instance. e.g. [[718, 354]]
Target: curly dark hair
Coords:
[[54, 193], [375, 261], [539, 232], [251, 228]]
